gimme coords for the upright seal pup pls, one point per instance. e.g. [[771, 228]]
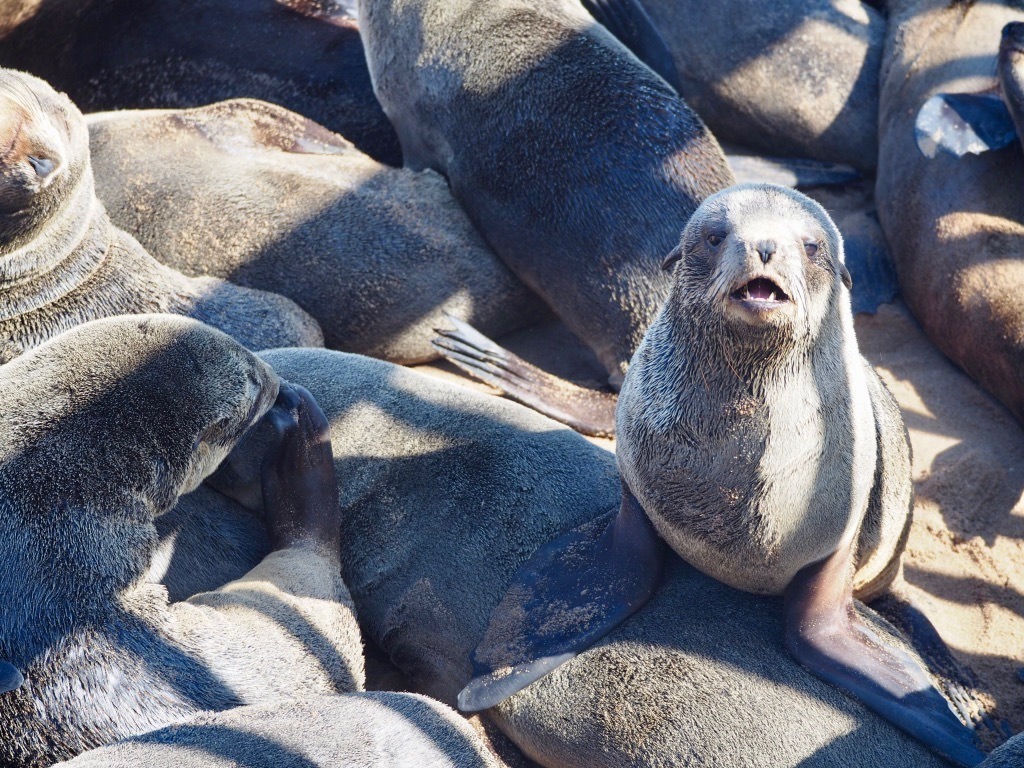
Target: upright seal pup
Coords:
[[105, 427], [655, 691], [62, 262], [764, 450], [124, 54], [955, 225], [362, 730], [252, 193], [577, 163]]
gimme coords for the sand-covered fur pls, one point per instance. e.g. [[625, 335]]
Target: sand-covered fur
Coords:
[[63, 263], [252, 193], [105, 427], [362, 730]]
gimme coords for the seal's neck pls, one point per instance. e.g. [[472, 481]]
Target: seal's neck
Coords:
[[59, 256]]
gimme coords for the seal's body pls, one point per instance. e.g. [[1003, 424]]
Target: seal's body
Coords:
[[106, 426], [362, 730], [755, 449], [252, 193], [62, 262], [577, 163], [124, 54]]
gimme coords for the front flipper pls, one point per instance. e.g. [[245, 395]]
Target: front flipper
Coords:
[[826, 635], [586, 410], [799, 173], [629, 22], [962, 123], [10, 678], [565, 598]]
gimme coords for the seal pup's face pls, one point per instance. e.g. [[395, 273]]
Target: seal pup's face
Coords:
[[760, 258], [43, 149]]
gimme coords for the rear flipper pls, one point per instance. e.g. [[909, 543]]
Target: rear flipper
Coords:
[[1011, 72], [795, 172], [565, 598], [956, 680], [629, 22], [10, 678], [826, 635], [586, 410], [963, 123]]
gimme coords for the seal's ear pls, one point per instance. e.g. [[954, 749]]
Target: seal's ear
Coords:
[[565, 598], [845, 274], [963, 123], [10, 678], [672, 258]]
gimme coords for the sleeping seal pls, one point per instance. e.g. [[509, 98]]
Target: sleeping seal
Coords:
[[955, 225], [575, 161], [764, 450], [62, 262], [252, 193], [129, 54], [359, 730], [105, 427], [659, 691]]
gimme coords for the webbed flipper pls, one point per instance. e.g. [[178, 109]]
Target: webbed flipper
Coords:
[[629, 22], [10, 678], [963, 123], [825, 633], [570, 594], [589, 411]]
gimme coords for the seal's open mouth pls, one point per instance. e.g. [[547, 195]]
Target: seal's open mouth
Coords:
[[761, 290]]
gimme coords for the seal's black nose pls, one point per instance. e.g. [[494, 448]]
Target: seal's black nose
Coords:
[[766, 250]]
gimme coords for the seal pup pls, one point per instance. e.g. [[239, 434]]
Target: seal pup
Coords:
[[654, 693], [305, 55], [62, 262], [764, 450], [524, 108], [252, 193], [955, 225], [156, 401], [360, 730]]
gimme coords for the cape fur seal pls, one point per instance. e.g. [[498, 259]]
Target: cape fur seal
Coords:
[[360, 730], [652, 693], [62, 262], [156, 401], [764, 450], [794, 78], [577, 163], [124, 54], [955, 225], [252, 193]]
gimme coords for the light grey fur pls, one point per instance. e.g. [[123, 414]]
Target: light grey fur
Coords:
[[446, 492], [577, 163], [755, 449], [249, 192], [361, 730], [786, 78], [62, 261], [955, 226], [106, 426]]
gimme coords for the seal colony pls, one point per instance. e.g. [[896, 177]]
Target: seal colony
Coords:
[[63, 263]]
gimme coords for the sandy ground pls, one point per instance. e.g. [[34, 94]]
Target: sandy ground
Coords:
[[965, 559]]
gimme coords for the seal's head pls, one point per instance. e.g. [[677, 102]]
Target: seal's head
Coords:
[[760, 258], [44, 150], [137, 408]]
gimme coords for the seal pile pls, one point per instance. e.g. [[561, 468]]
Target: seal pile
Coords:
[[262, 501]]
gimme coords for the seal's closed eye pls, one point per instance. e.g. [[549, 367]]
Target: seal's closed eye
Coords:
[[10, 678]]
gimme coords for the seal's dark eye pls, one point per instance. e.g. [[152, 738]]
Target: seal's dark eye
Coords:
[[714, 240], [811, 249]]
